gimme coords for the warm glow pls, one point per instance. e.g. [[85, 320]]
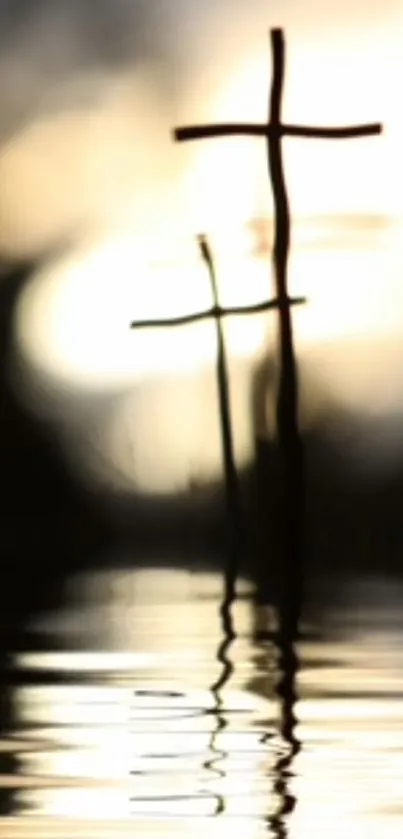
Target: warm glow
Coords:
[[138, 721], [76, 169], [73, 323], [227, 177], [346, 291], [73, 328], [88, 300], [129, 738], [134, 738]]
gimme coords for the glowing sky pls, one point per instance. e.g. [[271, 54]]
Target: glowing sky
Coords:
[[91, 90], [90, 94]]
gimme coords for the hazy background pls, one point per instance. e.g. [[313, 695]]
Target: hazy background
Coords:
[[99, 199], [91, 91]]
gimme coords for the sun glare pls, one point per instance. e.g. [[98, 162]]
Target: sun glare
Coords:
[[89, 299], [87, 302], [73, 322]]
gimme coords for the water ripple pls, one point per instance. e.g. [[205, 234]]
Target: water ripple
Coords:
[[208, 733]]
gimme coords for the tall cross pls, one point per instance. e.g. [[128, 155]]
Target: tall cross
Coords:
[[290, 442]]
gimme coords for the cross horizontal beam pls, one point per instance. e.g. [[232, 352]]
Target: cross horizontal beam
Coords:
[[214, 312], [344, 132]]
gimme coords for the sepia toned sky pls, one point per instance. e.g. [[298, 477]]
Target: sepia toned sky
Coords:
[[91, 89], [89, 95]]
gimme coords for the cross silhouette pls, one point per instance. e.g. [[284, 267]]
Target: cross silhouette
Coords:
[[274, 130], [290, 442]]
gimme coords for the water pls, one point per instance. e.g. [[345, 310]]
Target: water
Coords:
[[129, 712]]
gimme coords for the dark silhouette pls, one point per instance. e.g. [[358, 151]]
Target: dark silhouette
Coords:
[[290, 446], [47, 521]]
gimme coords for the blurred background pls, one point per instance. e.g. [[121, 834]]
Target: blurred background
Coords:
[[99, 209], [113, 507]]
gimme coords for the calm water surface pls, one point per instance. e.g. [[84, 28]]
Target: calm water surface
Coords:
[[131, 712]]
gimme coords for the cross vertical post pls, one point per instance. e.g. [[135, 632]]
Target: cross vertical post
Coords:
[[229, 461], [289, 438]]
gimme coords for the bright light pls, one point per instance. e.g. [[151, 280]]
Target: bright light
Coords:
[[73, 323], [334, 85], [88, 300], [138, 721], [161, 430]]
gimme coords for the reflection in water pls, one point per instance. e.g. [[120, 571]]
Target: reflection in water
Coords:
[[220, 712], [283, 770], [117, 730]]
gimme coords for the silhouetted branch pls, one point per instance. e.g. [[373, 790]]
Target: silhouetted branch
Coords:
[[215, 312], [229, 463], [249, 129]]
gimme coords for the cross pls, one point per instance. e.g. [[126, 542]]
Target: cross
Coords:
[[290, 442]]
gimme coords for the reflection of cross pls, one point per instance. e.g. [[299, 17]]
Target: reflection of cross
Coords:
[[287, 407]]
